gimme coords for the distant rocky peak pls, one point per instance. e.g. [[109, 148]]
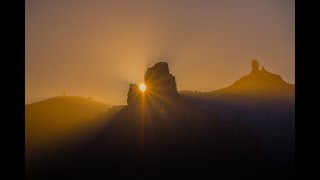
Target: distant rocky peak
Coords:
[[259, 80]]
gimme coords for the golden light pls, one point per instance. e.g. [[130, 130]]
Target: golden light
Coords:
[[142, 87]]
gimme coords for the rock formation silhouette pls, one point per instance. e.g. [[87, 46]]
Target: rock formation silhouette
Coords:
[[160, 83], [158, 122], [259, 83], [134, 94], [255, 65], [265, 103], [159, 135]]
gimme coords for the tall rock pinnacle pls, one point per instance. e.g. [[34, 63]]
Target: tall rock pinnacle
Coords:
[[159, 82], [255, 65]]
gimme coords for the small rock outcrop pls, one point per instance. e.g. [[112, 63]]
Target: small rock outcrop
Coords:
[[134, 94]]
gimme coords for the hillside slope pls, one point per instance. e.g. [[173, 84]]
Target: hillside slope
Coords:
[[58, 119]]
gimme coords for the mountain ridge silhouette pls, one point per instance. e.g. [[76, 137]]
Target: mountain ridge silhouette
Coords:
[[263, 102], [164, 134], [258, 83]]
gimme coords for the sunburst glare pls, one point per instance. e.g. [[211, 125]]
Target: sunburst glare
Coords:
[[142, 87]]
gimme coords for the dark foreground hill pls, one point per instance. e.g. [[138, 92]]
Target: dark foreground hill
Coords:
[[160, 135], [57, 120]]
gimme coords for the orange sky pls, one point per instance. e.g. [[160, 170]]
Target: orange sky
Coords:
[[97, 48]]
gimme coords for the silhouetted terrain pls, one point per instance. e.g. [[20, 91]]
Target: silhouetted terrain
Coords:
[[58, 120], [34, 100], [163, 135], [258, 84], [264, 103]]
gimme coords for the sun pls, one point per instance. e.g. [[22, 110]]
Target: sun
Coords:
[[142, 87]]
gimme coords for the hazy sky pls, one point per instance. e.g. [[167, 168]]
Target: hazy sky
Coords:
[[98, 47]]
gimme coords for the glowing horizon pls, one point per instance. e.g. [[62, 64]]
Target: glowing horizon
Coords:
[[97, 48]]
